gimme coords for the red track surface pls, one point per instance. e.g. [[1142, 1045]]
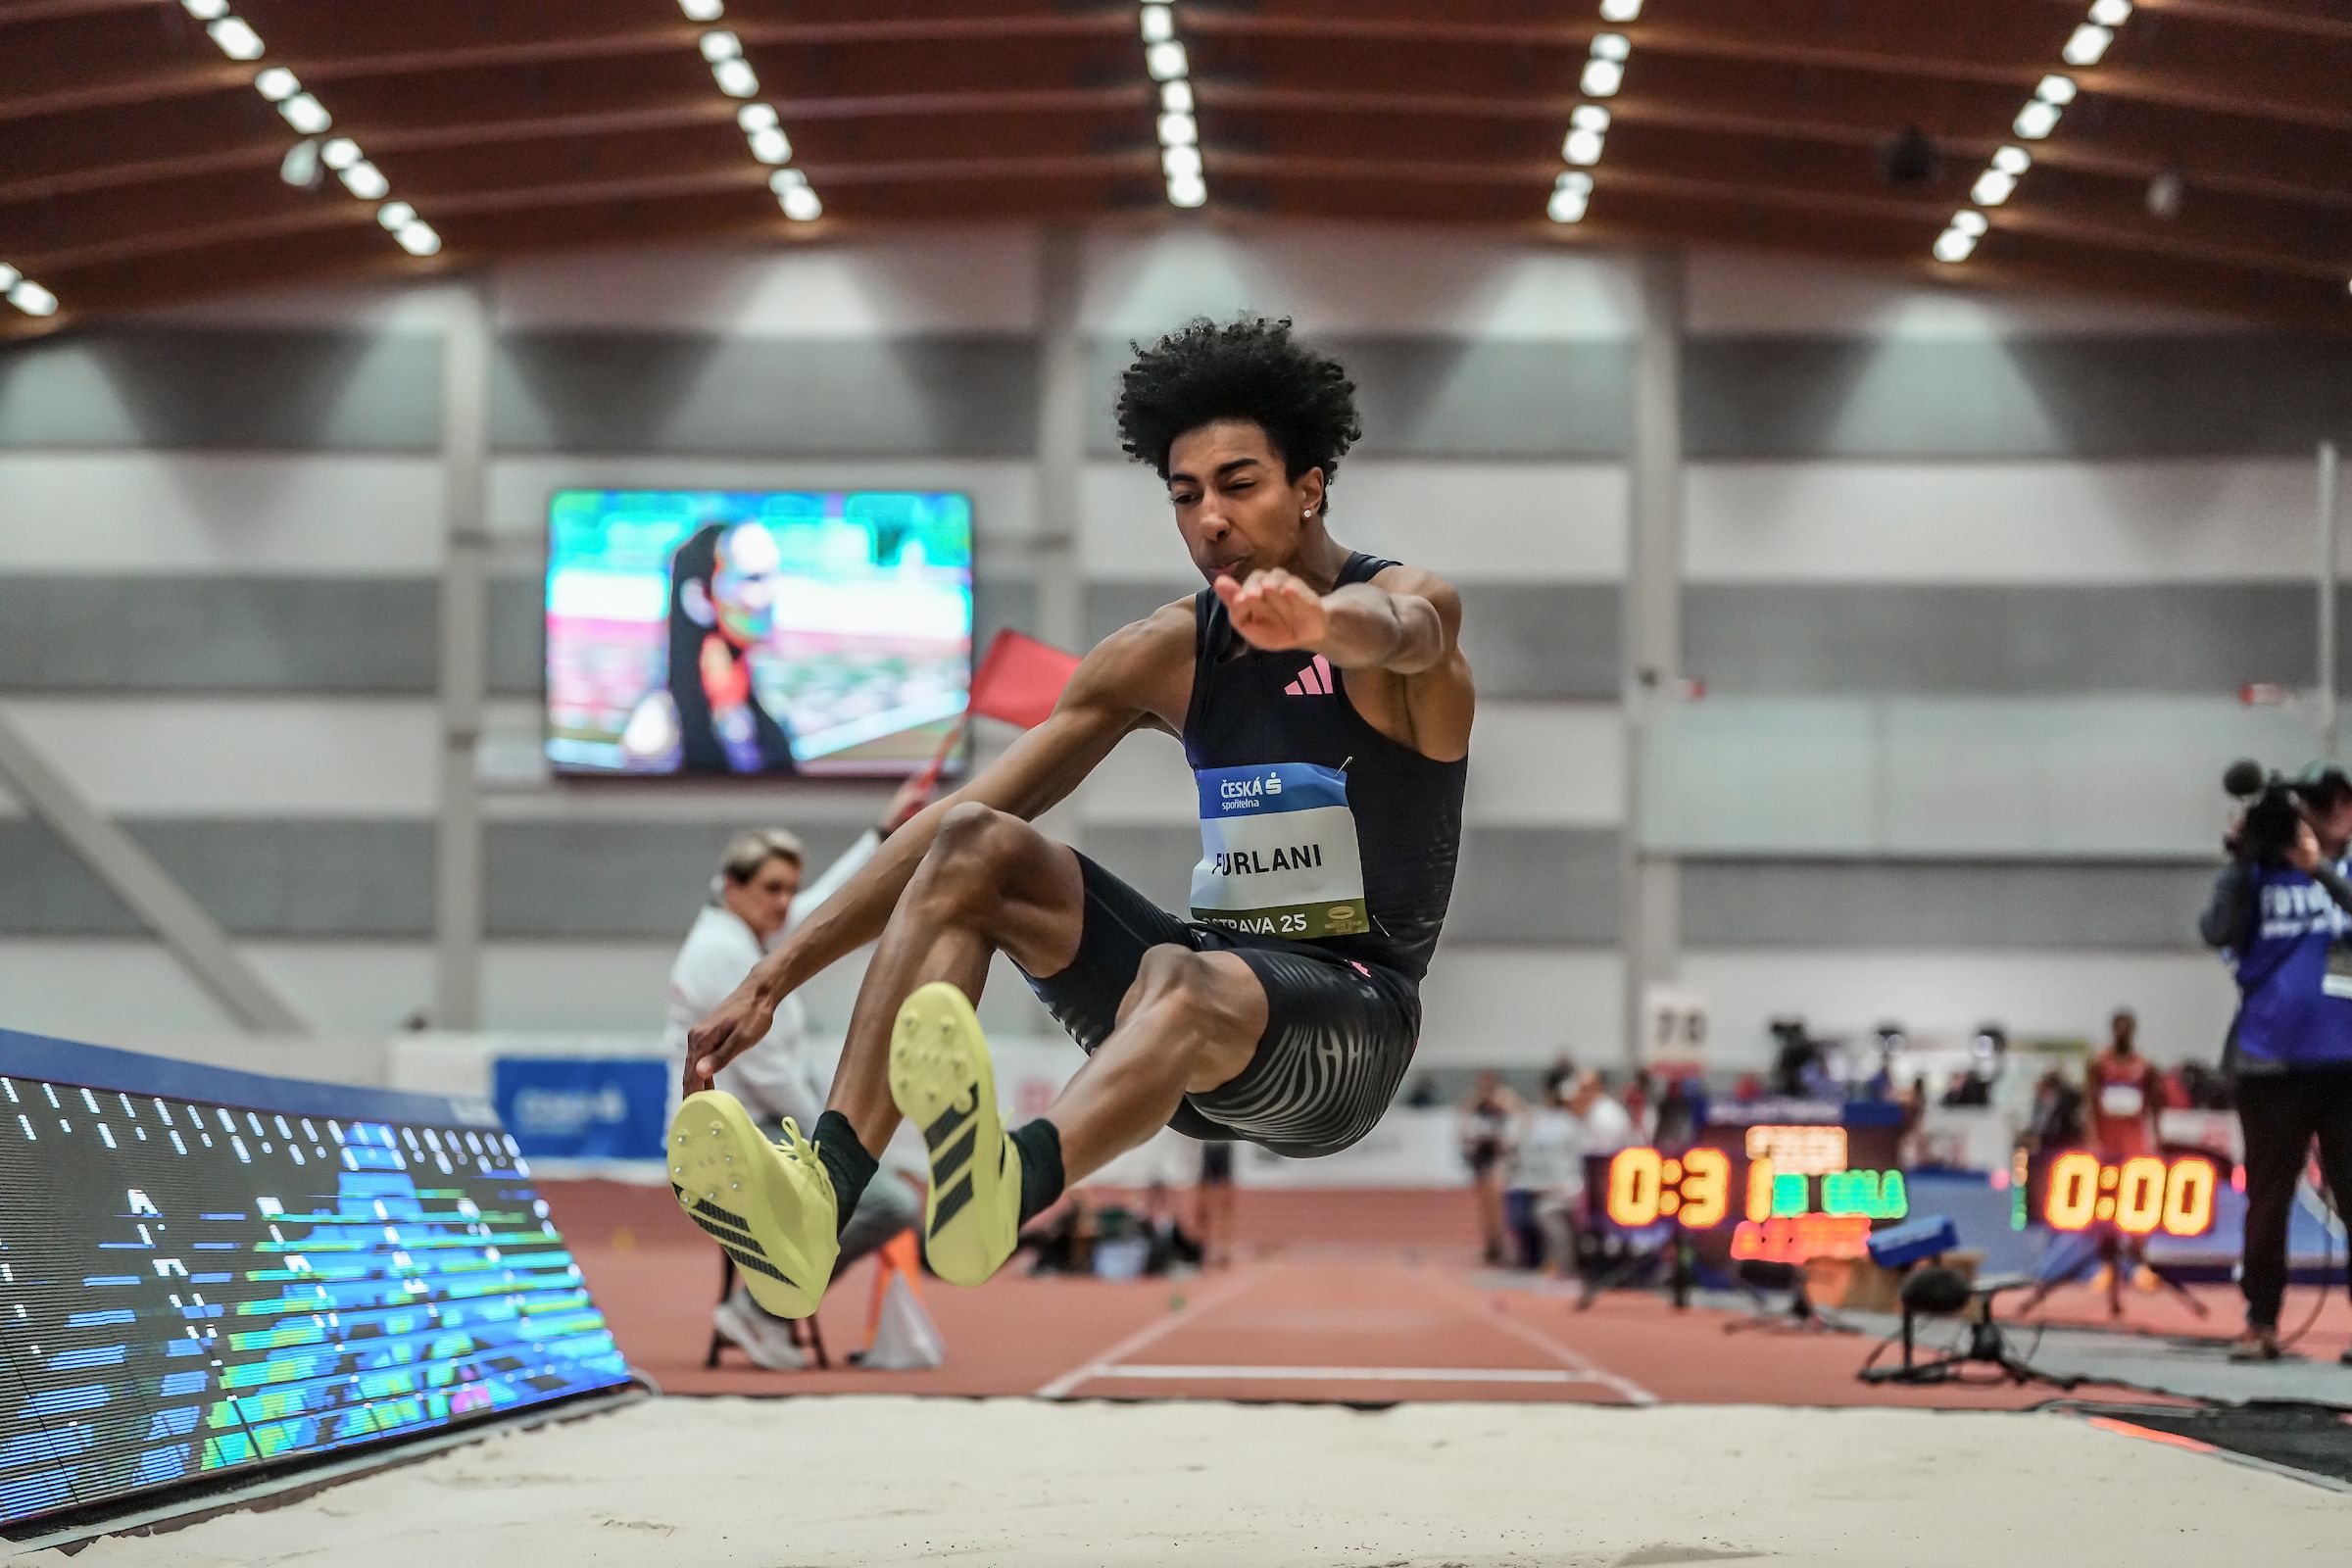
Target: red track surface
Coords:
[[1367, 1298]]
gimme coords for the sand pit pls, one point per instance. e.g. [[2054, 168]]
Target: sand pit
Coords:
[[781, 1484]]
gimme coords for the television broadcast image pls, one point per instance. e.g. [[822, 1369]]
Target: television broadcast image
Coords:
[[1137, 783]]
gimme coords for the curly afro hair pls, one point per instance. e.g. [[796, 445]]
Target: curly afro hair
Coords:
[[1249, 368]]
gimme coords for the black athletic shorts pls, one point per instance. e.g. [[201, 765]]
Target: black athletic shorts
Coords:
[[1339, 1037]]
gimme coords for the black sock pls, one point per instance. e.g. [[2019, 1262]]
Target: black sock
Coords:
[[1039, 1143], [846, 1162]]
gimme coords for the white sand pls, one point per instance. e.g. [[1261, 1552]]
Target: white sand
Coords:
[[779, 1483]]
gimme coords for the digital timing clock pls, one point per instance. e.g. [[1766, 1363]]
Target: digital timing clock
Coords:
[[1787, 1192], [2077, 1191]]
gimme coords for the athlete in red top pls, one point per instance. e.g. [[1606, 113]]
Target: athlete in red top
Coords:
[[2124, 1093]]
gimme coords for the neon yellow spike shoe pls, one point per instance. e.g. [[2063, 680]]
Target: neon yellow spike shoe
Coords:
[[769, 1205], [941, 1078]]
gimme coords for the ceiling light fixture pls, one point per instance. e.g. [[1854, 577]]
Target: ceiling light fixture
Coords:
[[761, 126], [1178, 125], [25, 294], [31, 298], [236, 39], [306, 162], [2037, 121], [2086, 47], [1588, 123], [306, 114], [1571, 195], [2088, 43], [703, 9], [1992, 187], [367, 181]]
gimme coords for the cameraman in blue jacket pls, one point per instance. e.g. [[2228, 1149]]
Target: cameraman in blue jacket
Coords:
[[2281, 916]]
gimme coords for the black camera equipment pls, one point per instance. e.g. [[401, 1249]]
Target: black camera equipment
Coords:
[[2273, 813], [1935, 1291]]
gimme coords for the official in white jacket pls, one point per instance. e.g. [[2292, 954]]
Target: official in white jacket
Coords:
[[755, 898]]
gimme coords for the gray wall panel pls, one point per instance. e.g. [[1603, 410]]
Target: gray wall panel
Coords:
[[517, 648], [1904, 638], [1524, 640], [268, 878], [1514, 885], [606, 879], [1437, 397], [1926, 904], [251, 388], [372, 635], [671, 392], [2095, 397]]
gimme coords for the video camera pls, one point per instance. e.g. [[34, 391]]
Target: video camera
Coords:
[[2276, 805]]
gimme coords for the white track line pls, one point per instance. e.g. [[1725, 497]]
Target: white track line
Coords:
[[1349, 1374], [1470, 1301], [1060, 1386]]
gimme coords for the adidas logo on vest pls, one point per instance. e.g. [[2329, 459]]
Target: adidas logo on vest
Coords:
[[1313, 681]]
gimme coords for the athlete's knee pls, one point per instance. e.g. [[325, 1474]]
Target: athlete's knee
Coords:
[[1189, 990], [976, 845]]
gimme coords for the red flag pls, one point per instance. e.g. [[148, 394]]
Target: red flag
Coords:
[[1020, 679]]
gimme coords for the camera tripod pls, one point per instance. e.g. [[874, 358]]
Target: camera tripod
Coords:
[[2107, 1243], [1986, 1345]]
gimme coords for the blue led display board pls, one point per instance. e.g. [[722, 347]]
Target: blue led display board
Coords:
[[204, 1274]]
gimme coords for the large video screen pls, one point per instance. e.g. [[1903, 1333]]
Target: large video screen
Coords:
[[821, 632], [192, 1290]]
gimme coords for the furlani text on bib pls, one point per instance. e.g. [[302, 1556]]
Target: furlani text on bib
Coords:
[[1278, 853]]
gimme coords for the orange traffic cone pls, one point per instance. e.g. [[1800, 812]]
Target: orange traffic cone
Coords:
[[899, 1336]]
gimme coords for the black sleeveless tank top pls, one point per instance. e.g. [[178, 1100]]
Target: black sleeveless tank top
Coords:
[[1261, 724]]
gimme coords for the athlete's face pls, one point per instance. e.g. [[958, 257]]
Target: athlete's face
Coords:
[[1236, 507]]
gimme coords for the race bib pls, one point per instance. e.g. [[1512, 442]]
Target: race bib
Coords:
[[1278, 853], [2121, 1100]]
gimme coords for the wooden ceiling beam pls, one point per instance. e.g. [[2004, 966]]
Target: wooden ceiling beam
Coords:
[[446, 208], [21, 11], [2103, 151], [700, 108], [1927, 217], [2232, 13], [2020, 74], [682, 39]]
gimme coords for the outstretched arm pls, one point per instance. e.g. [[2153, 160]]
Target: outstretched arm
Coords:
[[1405, 627], [1402, 632], [1123, 685]]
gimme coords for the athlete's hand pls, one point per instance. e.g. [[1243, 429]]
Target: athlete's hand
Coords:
[[1275, 609], [733, 1027]]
